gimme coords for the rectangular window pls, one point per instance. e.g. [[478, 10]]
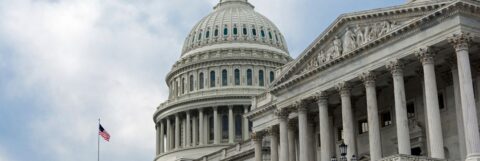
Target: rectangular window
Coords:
[[363, 126], [386, 119]]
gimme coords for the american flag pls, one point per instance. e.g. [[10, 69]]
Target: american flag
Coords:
[[102, 132]]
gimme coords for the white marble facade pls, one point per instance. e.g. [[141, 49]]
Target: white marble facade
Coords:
[[396, 83]]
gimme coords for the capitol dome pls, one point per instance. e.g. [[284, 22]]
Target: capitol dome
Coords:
[[230, 56], [234, 21]]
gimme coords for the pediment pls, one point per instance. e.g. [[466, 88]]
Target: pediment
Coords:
[[350, 32]]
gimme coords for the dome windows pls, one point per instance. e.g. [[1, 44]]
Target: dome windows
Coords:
[[261, 79], [191, 83], [237, 77], [270, 35], [225, 30], [272, 76], [207, 35], [235, 30], [262, 33], [249, 77], [224, 77], [212, 79], [199, 35], [201, 82], [245, 30], [216, 32], [254, 31]]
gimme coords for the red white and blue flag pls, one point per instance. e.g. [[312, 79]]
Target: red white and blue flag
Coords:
[[102, 132]]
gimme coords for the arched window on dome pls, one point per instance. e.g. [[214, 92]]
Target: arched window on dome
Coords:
[[262, 33], [183, 85], [272, 76], [200, 35], [235, 30], [193, 38], [201, 81], [216, 32], [270, 35], [249, 77], [224, 77], [245, 32], [276, 37], [191, 82], [237, 77], [261, 79], [212, 79], [225, 30], [254, 31], [207, 35]]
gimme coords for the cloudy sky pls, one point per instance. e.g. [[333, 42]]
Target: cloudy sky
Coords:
[[66, 63]]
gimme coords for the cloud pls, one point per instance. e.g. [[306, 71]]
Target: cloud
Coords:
[[66, 63]]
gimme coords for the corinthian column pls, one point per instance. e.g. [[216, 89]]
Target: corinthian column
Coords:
[[403, 132], [201, 127], [283, 123], [257, 142], [216, 128], [426, 56], [292, 136], [302, 130], [188, 129], [245, 124], [273, 132], [347, 119], [177, 131], [372, 110], [231, 128], [169, 135], [461, 43], [162, 144], [325, 141]]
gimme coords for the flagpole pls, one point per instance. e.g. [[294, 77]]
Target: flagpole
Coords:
[[98, 142]]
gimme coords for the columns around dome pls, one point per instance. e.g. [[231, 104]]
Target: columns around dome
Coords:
[[196, 128]]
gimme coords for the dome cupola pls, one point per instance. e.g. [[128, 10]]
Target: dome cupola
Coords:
[[234, 23]]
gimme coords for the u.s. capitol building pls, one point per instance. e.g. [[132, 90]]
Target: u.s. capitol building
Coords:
[[390, 84]]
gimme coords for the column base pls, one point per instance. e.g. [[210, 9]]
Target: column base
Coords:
[[473, 157]]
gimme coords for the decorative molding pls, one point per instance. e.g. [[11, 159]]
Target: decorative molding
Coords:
[[344, 89], [396, 67], [461, 41], [368, 78], [426, 55]]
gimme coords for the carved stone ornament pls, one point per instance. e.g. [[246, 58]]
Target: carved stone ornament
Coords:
[[273, 131], [368, 78], [344, 88], [426, 55], [396, 67], [461, 41], [282, 113], [257, 136], [321, 97], [300, 105]]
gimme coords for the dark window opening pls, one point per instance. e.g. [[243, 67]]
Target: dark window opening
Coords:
[[249, 77], [199, 36], [262, 33], [237, 77], [225, 127], [416, 151], [238, 126], [244, 31], [191, 83], [270, 35], [276, 37], [201, 81], [261, 81], [225, 31], [224, 78], [183, 85], [254, 32], [272, 76], [386, 119], [212, 79], [216, 32], [235, 32], [208, 34]]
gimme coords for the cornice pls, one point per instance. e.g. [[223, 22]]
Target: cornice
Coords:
[[411, 27]]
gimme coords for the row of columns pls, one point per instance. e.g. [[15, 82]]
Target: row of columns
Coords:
[[435, 137], [195, 130]]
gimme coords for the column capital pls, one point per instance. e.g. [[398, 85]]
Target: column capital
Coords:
[[344, 88], [273, 130], [368, 78], [300, 105], [282, 113], [321, 97], [426, 55], [257, 136], [461, 41], [396, 67]]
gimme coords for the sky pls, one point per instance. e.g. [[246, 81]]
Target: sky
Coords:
[[66, 63]]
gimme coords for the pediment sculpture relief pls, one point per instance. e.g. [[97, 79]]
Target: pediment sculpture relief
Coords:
[[352, 38]]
